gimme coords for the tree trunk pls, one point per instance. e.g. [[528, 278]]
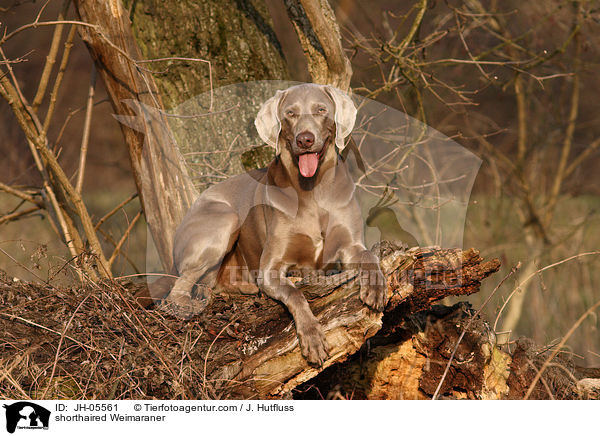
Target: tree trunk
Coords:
[[160, 174], [234, 36], [217, 44], [321, 41]]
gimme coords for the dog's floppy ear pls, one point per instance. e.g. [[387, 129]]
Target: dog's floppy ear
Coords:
[[345, 115], [267, 121]]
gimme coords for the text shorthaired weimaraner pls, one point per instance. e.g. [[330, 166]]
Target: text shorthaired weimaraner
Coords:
[[298, 213]]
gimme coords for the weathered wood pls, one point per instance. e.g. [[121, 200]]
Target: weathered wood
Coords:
[[320, 38], [411, 362], [277, 366], [270, 362]]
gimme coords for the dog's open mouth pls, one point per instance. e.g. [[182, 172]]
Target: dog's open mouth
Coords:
[[308, 163]]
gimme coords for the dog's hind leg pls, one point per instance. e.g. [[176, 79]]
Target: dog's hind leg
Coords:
[[202, 240]]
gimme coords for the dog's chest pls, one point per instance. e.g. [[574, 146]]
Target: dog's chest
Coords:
[[306, 239]]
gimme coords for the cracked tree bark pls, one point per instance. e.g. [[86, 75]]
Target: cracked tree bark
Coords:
[[320, 38]]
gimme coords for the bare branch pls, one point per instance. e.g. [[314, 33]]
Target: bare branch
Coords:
[[568, 140], [43, 23], [130, 261], [86, 130], [59, 77], [38, 143], [115, 210], [17, 215], [51, 58], [535, 273], [582, 157], [522, 119], [18, 193], [119, 245], [422, 7]]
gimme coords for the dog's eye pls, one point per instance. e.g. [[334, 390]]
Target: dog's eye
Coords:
[[290, 113], [322, 110]]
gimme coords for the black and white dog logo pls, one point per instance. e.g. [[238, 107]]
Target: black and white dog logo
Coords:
[[26, 415]]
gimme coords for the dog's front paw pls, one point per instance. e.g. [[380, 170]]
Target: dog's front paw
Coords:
[[183, 305], [313, 343], [373, 289]]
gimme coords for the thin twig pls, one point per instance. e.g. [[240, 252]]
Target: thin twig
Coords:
[[582, 157], [19, 214], [544, 382], [62, 336], [123, 253], [413, 29], [16, 89], [115, 210], [45, 23], [535, 273], [124, 238], [34, 324], [70, 115], [146, 335], [208, 351], [7, 374], [59, 77], [51, 58], [18, 193], [465, 45], [86, 130], [37, 18]]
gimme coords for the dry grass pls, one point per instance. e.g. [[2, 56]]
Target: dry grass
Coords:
[[94, 342]]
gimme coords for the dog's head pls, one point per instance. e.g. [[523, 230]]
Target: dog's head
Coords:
[[303, 121]]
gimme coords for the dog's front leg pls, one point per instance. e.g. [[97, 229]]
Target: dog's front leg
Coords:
[[373, 285], [341, 245], [273, 281]]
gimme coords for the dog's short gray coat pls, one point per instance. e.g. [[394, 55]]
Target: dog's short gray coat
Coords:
[[274, 220]]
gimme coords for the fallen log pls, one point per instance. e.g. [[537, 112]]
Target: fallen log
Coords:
[[266, 361], [411, 365]]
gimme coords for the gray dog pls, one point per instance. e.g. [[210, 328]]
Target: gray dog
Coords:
[[299, 213]]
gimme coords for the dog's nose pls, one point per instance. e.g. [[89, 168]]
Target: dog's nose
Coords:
[[305, 140]]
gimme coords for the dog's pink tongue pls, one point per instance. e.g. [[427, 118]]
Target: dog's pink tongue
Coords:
[[308, 164]]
